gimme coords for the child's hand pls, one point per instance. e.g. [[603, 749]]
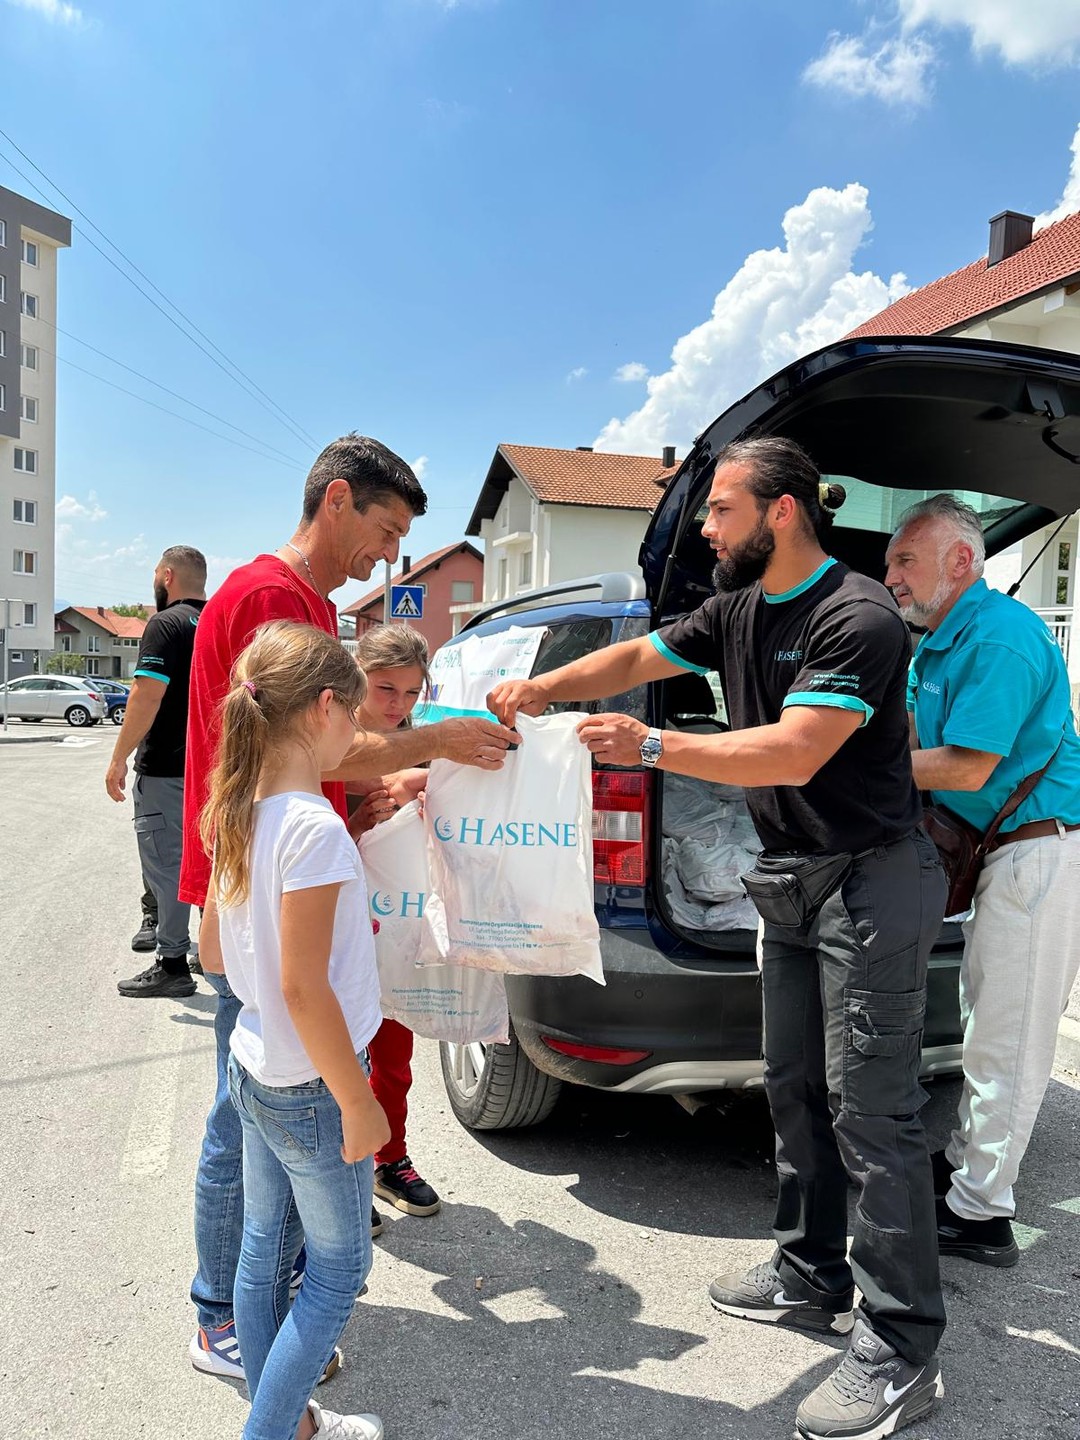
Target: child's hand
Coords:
[[365, 1130], [375, 807]]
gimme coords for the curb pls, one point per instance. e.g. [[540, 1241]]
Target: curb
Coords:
[[1067, 1054], [32, 739]]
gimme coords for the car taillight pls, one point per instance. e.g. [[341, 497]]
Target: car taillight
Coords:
[[621, 802], [93, 695]]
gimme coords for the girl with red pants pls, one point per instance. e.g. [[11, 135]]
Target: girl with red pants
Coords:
[[395, 661]]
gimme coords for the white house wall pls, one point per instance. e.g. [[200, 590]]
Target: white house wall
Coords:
[[585, 541]]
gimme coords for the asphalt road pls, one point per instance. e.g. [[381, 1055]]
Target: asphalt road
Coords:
[[561, 1291]]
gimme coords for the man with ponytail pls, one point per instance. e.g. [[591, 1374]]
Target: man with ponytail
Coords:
[[813, 661], [359, 501]]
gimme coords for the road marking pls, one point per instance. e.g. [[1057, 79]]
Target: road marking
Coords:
[[1071, 1206], [153, 1106]]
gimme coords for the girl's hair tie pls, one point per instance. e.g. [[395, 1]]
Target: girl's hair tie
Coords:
[[249, 686]]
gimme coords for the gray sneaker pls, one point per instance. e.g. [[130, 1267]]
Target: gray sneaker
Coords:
[[760, 1295], [871, 1393]]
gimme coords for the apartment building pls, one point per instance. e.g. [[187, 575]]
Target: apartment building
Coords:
[[30, 239]]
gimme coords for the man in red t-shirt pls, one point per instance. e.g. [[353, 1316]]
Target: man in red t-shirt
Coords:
[[359, 501]]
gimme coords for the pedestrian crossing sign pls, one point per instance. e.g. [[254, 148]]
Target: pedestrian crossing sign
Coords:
[[406, 602]]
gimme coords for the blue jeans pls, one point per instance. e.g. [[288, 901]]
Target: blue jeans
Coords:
[[219, 1181], [297, 1190]]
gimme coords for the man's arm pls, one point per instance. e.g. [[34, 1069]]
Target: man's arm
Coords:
[[141, 710], [466, 741], [952, 767], [605, 672], [791, 752]]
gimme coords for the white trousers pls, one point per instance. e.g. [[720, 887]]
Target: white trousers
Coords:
[[1021, 953]]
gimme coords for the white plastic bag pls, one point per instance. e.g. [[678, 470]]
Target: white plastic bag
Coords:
[[510, 853], [463, 674], [441, 1002]]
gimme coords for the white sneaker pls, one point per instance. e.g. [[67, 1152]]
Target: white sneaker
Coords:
[[345, 1427]]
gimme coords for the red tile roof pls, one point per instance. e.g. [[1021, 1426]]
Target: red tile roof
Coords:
[[1051, 258], [124, 627], [587, 477], [413, 573]]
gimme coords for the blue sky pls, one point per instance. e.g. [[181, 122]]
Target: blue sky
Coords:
[[454, 224]]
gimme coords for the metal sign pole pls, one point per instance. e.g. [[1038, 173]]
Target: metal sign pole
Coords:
[[7, 627], [386, 593]]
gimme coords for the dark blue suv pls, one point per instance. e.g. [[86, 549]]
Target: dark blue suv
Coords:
[[895, 421]]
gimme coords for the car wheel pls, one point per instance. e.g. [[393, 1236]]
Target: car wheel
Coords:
[[496, 1087], [78, 716], [118, 715]]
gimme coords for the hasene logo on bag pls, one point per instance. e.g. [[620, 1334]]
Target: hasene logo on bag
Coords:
[[529, 834], [402, 904]]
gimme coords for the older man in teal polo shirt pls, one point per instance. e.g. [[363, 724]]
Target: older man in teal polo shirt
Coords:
[[991, 704]]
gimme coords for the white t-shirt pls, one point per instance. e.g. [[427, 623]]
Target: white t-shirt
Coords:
[[298, 841]]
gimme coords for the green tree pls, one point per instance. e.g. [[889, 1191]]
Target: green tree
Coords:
[[136, 612], [61, 663]]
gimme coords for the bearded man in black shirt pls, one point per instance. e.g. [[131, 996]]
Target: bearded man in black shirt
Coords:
[[813, 660]]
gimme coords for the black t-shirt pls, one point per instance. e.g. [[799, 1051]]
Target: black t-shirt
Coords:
[[837, 639], [165, 652]]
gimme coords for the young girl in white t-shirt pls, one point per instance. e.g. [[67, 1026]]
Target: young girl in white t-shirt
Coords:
[[297, 943]]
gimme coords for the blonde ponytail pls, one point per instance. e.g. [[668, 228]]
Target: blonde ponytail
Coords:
[[275, 680]]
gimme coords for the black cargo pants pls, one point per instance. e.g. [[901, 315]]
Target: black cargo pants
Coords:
[[845, 1000]]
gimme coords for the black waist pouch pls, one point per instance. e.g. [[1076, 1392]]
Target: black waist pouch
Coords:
[[789, 890]]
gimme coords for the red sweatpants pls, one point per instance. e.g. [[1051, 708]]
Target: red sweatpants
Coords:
[[391, 1075]]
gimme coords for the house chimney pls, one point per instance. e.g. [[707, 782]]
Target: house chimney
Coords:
[[1009, 232], [406, 564], [668, 457], [585, 447], [101, 610]]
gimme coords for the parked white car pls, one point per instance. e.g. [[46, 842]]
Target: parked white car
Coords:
[[54, 697]]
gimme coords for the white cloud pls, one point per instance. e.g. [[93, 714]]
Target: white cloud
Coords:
[[1024, 32], [58, 12], [220, 567], [577, 374], [780, 304], [92, 568], [68, 508], [1069, 203], [896, 72], [419, 467], [632, 372]]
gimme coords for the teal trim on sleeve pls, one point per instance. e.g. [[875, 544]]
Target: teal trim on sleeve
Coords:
[[838, 702], [152, 675], [669, 654], [802, 588]]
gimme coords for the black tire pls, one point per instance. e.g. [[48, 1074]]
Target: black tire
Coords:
[[496, 1087], [117, 716], [31, 719], [79, 716]]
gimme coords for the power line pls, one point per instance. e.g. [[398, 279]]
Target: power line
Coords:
[[290, 465], [175, 394], [244, 381]]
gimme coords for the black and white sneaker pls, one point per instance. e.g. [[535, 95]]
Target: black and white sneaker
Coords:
[[760, 1295], [987, 1242], [405, 1189], [871, 1393]]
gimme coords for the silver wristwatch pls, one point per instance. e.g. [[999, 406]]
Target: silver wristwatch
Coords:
[[652, 747]]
